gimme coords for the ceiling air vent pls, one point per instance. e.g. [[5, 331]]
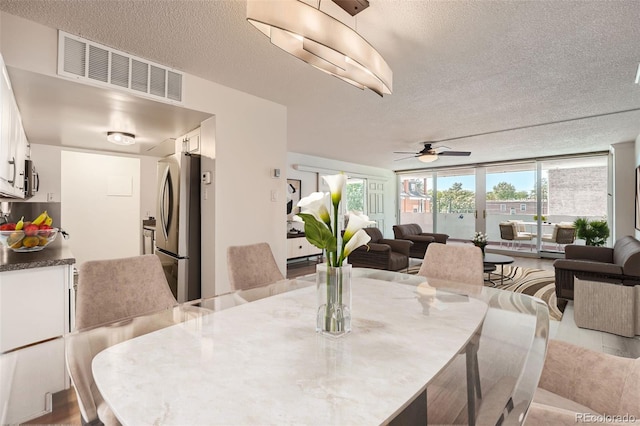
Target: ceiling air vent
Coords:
[[95, 64]]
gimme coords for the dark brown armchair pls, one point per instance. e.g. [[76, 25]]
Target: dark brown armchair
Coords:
[[392, 255], [421, 240]]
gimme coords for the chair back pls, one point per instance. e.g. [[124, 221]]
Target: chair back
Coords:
[[565, 234], [113, 289], [402, 231], [519, 224], [507, 230], [251, 266], [374, 233], [445, 264]]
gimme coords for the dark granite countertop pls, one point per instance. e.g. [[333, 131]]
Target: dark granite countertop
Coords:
[[57, 253]]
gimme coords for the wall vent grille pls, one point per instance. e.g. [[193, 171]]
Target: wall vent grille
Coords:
[[95, 64]]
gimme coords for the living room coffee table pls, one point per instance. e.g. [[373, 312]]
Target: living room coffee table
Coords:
[[497, 259]]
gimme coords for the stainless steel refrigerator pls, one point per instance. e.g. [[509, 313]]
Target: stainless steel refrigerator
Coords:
[[178, 224]]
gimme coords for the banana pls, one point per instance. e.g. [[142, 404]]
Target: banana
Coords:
[[48, 221], [20, 224], [38, 221]]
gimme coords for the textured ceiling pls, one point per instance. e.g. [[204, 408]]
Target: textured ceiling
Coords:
[[532, 78]]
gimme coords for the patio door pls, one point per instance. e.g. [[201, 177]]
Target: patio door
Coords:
[[511, 196], [456, 203]]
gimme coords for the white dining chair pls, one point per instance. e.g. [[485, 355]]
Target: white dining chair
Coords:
[[111, 290], [459, 268], [252, 265]]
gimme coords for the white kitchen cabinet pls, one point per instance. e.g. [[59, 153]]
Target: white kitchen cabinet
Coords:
[[190, 142], [34, 317], [13, 141], [300, 247]]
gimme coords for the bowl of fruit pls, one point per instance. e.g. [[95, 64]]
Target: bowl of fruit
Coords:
[[28, 236]]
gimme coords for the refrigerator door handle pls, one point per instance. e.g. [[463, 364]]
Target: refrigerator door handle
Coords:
[[166, 203]]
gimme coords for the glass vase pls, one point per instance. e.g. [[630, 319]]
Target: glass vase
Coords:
[[333, 289]]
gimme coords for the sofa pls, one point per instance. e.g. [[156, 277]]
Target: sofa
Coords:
[[617, 265], [579, 385], [381, 253], [421, 240]]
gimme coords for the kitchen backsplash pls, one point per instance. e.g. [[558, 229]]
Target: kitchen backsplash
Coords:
[[14, 210]]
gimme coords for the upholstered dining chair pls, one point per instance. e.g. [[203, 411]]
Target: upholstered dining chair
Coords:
[[577, 382], [251, 266], [114, 289], [447, 265], [111, 290], [459, 268]]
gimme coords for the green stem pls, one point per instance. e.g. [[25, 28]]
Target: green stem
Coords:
[[336, 260]]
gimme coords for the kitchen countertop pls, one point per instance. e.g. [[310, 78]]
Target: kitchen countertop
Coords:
[[57, 253], [149, 224]]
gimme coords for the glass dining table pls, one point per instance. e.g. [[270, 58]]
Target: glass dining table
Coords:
[[253, 357]]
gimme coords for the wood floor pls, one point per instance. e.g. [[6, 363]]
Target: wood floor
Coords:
[[66, 411]]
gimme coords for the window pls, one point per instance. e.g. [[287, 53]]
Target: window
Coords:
[[523, 207], [503, 207]]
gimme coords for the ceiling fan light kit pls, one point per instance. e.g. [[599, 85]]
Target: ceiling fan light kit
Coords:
[[322, 41], [428, 158]]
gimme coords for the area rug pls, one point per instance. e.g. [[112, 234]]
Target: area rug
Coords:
[[533, 282]]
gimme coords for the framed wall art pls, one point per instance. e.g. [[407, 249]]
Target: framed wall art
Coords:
[[293, 196], [638, 198]]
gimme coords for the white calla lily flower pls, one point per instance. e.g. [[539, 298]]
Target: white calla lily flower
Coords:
[[360, 238], [357, 221], [336, 184], [316, 205]]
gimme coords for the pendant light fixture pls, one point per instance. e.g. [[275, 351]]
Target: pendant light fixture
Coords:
[[322, 41], [121, 138]]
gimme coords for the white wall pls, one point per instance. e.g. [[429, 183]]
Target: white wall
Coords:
[[207, 207], [48, 162], [623, 190], [250, 140], [100, 205], [309, 180]]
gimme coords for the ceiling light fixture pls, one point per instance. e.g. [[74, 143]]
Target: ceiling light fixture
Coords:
[[322, 41], [428, 158], [121, 138]]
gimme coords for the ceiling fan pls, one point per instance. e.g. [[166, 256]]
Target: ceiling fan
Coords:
[[429, 153]]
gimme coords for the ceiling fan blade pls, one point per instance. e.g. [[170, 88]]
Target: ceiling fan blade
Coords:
[[403, 152], [455, 153], [405, 158]]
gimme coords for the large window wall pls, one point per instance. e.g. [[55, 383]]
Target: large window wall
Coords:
[[539, 194]]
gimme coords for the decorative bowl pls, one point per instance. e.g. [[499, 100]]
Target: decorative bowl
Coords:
[[20, 242]]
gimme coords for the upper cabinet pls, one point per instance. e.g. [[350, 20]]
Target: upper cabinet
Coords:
[[190, 142], [14, 147]]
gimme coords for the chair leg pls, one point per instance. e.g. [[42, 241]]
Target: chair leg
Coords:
[[473, 381]]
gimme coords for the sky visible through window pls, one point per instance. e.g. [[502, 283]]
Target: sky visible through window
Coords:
[[523, 181]]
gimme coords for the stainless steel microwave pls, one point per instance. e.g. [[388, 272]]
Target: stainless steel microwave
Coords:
[[31, 179]]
